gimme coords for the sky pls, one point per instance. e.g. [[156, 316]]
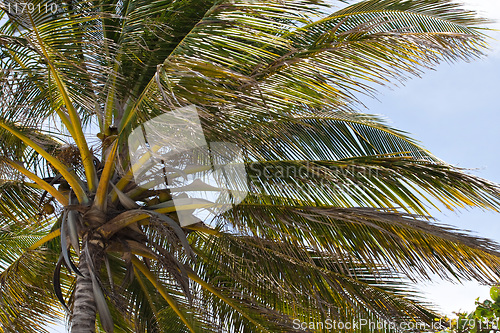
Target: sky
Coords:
[[454, 111]]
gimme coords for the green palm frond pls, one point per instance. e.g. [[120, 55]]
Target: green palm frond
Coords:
[[268, 70], [374, 181], [13, 148], [19, 202], [295, 280], [27, 301], [414, 246], [327, 136], [167, 24], [53, 43]]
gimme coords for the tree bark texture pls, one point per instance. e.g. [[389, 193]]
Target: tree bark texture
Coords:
[[84, 307]]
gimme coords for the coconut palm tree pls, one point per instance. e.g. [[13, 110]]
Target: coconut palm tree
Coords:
[[334, 223]]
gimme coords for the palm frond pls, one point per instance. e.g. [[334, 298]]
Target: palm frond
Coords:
[[19, 203], [413, 245], [27, 301], [375, 181], [327, 136], [233, 64], [272, 275]]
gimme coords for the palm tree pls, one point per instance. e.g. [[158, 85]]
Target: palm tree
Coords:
[[335, 224]]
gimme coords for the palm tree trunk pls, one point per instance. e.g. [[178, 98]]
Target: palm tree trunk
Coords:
[[84, 308]]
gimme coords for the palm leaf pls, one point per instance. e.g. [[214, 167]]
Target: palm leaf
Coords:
[[376, 181], [269, 70]]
